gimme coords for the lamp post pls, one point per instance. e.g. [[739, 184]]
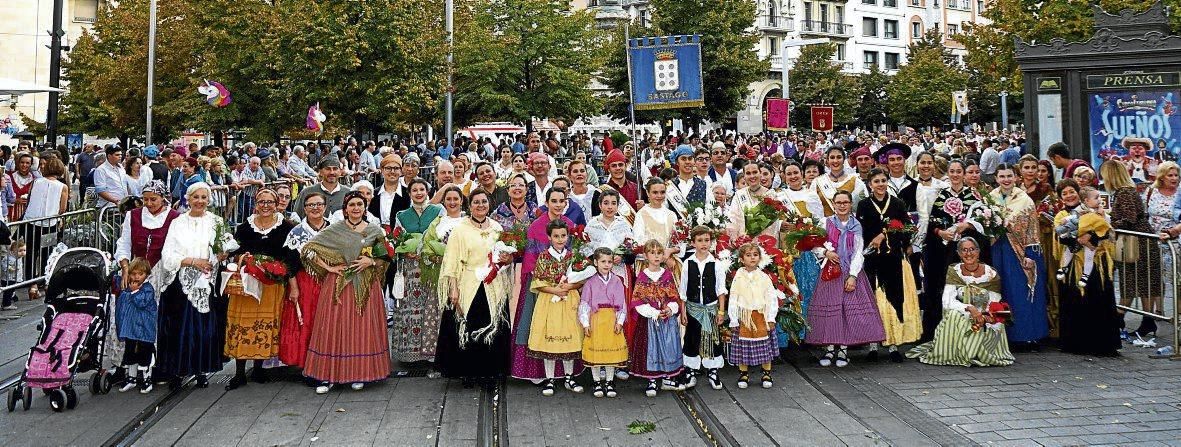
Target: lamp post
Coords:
[[55, 73], [450, 11], [151, 69], [792, 44], [1004, 105]]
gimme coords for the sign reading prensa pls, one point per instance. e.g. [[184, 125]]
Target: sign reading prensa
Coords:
[[1126, 80], [666, 72], [821, 118]]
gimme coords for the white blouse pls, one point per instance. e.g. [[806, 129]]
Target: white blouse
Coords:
[[609, 235], [188, 237], [654, 223], [951, 293], [924, 198]]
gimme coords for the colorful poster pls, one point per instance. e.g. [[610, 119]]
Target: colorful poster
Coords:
[[777, 114], [666, 72], [1116, 117], [822, 118]]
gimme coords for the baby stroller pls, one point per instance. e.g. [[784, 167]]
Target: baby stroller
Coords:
[[72, 331]]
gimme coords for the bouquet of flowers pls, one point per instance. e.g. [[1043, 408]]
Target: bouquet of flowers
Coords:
[[580, 266], [488, 273], [707, 215], [628, 249], [1048, 208], [895, 226], [987, 218], [765, 213], [223, 239], [1000, 313], [515, 237], [804, 234], [265, 269]]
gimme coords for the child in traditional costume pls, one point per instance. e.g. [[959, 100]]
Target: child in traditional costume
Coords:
[[703, 287], [754, 301], [602, 312], [554, 333], [1083, 230], [655, 346]]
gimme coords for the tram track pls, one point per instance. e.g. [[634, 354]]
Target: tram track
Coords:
[[492, 420], [149, 416]]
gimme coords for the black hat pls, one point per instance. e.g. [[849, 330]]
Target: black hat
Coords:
[[889, 148], [329, 161]]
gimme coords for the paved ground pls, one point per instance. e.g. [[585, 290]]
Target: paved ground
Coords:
[[1047, 398]]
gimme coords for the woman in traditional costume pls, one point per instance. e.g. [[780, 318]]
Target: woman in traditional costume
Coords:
[[883, 216], [191, 332], [348, 343], [524, 366], [515, 213], [474, 336], [837, 178], [807, 204], [416, 314], [252, 317], [303, 296], [842, 310], [948, 222], [1018, 256], [972, 330], [655, 221], [1088, 322]]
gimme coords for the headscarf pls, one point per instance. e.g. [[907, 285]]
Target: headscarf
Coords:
[[614, 156], [156, 187], [681, 151]]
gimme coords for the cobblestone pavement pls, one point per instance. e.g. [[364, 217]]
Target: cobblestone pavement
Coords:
[[1046, 398]]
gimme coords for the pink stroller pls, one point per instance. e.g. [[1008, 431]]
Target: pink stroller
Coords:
[[72, 331]]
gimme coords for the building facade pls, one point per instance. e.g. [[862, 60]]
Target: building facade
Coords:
[[865, 32], [24, 45]]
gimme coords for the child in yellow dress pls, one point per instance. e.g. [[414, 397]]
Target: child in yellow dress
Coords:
[[602, 313], [753, 304], [554, 333]]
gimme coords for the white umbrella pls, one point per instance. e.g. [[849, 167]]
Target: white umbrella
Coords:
[[13, 87]]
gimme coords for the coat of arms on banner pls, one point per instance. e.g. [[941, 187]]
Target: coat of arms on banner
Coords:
[[667, 72]]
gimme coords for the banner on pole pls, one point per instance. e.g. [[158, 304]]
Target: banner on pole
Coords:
[[959, 102], [666, 72], [822, 118], [777, 116]]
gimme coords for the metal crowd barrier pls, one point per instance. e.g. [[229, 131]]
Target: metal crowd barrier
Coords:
[[92, 227], [1134, 278]]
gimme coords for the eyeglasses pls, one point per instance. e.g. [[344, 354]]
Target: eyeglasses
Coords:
[[969, 250], [391, 168], [266, 202], [313, 205]]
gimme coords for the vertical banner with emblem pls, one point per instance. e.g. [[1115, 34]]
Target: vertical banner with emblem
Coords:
[[777, 114], [822, 119], [666, 72]]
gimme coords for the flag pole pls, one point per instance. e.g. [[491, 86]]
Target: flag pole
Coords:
[[631, 99]]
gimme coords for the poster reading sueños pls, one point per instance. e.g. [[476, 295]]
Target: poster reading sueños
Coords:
[[1119, 117]]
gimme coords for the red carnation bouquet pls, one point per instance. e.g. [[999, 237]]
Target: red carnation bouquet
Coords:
[[898, 226], [265, 269], [515, 237], [1000, 313], [765, 213], [804, 234]]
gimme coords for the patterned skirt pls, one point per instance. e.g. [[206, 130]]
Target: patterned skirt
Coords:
[[956, 344], [348, 344], [252, 326], [416, 318], [836, 317], [745, 351], [554, 333], [655, 348]]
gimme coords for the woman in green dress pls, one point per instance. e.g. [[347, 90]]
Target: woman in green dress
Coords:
[[968, 335], [416, 312]]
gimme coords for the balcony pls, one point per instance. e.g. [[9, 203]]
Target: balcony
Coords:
[[776, 23], [776, 62], [833, 29]]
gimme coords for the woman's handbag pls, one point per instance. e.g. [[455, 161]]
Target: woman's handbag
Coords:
[[1127, 249]]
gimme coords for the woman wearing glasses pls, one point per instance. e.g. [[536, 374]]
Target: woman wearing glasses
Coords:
[[252, 319]]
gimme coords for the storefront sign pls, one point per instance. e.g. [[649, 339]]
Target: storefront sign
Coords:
[[1134, 80]]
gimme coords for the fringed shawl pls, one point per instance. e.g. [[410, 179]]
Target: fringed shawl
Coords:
[[340, 245]]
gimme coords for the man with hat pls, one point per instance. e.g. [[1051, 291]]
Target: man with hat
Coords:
[[334, 192], [861, 160], [687, 188], [893, 156], [1140, 166], [721, 172], [616, 164], [159, 170]]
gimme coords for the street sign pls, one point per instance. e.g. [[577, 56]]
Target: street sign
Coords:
[[822, 118], [666, 72]]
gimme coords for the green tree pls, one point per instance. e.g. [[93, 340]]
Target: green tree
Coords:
[[729, 57], [817, 79], [524, 59], [920, 94], [871, 109]]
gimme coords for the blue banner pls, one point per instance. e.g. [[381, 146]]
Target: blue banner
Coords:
[[1151, 115], [666, 72]]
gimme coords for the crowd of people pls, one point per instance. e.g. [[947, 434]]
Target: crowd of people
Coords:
[[665, 260]]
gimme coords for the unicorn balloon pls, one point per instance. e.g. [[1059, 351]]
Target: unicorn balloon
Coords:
[[315, 118], [215, 93]]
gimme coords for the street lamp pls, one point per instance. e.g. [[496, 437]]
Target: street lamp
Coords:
[[1004, 104], [792, 44], [151, 69]]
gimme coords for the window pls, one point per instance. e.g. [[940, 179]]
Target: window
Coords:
[[891, 61], [808, 11], [979, 6], [824, 14], [890, 3], [871, 59], [869, 2], [771, 9], [85, 10], [891, 29], [869, 27], [936, 3], [953, 4], [918, 3], [840, 10], [840, 54], [952, 29], [916, 30], [773, 42]]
